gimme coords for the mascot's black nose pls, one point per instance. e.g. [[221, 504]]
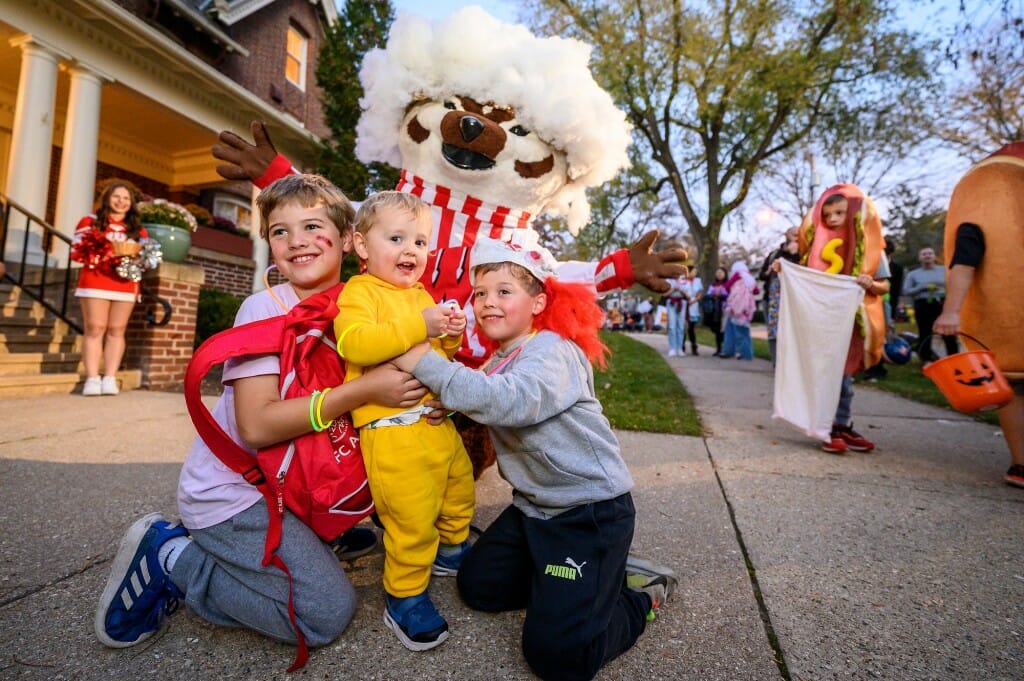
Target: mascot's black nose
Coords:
[[471, 127]]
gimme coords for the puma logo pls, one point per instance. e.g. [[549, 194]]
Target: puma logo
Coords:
[[578, 566]]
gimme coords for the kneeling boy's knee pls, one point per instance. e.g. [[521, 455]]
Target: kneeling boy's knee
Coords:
[[552, 657], [324, 623]]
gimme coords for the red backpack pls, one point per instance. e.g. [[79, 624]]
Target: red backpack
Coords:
[[319, 477]]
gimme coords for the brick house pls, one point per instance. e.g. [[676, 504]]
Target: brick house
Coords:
[[139, 89]]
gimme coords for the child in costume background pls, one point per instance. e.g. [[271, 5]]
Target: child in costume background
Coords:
[[213, 560], [739, 311], [420, 475], [560, 549], [843, 235], [712, 306], [789, 250]]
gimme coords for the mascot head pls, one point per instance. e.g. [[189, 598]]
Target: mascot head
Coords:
[[490, 110]]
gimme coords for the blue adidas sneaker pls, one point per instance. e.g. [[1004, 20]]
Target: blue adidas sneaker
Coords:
[[415, 621], [447, 563], [138, 593]]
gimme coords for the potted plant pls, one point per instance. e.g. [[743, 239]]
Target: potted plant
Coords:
[[170, 224], [223, 236]]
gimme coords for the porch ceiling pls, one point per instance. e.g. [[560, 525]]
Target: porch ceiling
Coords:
[[136, 132]]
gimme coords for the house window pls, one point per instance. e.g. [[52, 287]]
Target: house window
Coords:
[[238, 210], [295, 60]]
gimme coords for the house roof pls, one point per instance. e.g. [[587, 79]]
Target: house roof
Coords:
[[194, 15], [230, 12]]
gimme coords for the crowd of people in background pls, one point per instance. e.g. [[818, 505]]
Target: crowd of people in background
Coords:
[[690, 304]]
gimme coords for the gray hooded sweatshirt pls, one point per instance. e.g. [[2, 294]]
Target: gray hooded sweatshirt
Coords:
[[553, 443]]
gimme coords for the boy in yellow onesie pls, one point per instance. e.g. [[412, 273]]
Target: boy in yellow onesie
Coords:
[[420, 474]]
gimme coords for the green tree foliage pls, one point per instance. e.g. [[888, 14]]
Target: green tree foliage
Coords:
[[718, 89], [362, 25]]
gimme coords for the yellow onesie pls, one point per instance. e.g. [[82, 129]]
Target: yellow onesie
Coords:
[[420, 475]]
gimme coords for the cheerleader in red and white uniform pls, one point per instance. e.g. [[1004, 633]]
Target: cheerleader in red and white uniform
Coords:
[[106, 298]]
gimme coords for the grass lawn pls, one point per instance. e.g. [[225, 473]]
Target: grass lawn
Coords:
[[639, 391]]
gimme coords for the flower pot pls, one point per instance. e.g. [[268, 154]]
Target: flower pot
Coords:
[[174, 241]]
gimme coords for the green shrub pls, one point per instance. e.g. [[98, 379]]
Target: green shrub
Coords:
[[217, 311]]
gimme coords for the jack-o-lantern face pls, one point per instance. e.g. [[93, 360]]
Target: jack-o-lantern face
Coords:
[[977, 378]]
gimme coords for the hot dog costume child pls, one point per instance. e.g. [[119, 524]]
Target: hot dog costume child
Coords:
[[492, 126], [856, 248]]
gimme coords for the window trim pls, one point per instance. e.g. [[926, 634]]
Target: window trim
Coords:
[[302, 59]]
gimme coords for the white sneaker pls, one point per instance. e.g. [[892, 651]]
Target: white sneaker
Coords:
[[109, 385], [672, 353], [92, 386], [682, 353]]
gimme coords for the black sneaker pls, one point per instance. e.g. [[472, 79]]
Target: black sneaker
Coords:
[[357, 541]]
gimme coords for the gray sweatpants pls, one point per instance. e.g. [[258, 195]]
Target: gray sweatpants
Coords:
[[224, 581]]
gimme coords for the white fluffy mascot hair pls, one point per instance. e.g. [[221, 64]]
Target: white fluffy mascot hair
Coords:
[[546, 81]]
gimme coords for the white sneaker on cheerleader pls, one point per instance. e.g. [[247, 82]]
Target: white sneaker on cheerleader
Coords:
[[109, 385], [92, 387]]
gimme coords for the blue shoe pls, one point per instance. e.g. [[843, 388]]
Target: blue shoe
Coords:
[[448, 565], [138, 593], [357, 541], [415, 621]]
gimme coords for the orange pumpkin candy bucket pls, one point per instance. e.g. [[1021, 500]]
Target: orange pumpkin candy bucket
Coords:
[[970, 380]]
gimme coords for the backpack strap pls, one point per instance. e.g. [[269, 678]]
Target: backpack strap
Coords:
[[259, 337]]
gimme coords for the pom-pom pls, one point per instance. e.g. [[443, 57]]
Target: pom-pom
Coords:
[[92, 249], [128, 268], [150, 256]]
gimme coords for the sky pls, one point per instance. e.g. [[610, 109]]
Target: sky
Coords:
[[932, 16], [506, 10]]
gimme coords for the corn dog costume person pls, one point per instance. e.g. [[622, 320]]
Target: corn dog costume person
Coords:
[[492, 126], [420, 475], [853, 248], [984, 246]]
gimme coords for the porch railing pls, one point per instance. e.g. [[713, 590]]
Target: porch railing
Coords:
[[38, 260]]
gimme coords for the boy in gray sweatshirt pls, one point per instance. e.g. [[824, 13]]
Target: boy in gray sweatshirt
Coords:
[[560, 549]]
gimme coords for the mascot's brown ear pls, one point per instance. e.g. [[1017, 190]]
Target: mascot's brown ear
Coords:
[[653, 269], [244, 161]]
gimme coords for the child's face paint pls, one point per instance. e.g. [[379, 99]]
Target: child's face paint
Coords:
[[306, 247]]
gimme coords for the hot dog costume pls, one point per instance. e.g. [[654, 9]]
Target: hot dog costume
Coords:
[[854, 249], [991, 197]]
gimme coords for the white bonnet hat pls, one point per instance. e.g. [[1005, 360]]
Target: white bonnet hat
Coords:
[[536, 259]]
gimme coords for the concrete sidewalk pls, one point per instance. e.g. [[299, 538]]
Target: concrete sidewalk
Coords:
[[902, 564]]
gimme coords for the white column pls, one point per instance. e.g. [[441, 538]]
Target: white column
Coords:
[[76, 184], [28, 169], [260, 248]]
